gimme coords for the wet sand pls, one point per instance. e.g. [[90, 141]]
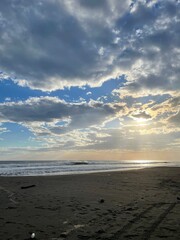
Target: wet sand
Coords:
[[141, 204]]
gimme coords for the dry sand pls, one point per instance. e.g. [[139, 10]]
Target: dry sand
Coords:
[[141, 204]]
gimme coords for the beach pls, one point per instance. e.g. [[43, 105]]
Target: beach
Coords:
[[139, 204]]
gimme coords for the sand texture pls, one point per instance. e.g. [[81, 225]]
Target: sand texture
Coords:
[[139, 205]]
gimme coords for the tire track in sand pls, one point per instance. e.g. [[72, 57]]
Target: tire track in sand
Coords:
[[142, 226], [156, 223], [10, 195]]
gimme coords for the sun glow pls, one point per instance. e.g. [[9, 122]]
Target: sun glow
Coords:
[[141, 120], [143, 161]]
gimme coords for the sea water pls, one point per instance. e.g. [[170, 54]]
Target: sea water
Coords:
[[39, 168]]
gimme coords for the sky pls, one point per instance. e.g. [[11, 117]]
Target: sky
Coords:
[[88, 79]]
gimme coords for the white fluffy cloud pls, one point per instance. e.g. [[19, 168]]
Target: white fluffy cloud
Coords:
[[95, 125], [48, 115]]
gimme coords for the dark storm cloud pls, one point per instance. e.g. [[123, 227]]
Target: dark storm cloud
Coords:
[[52, 44], [41, 41], [132, 21]]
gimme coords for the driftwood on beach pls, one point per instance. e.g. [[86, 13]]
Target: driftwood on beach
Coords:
[[29, 186]]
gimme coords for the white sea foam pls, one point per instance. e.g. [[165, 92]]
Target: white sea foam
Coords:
[[38, 168]]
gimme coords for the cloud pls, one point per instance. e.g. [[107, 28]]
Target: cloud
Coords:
[[49, 45], [51, 115], [141, 115], [3, 129], [46, 45], [166, 108], [57, 124], [127, 140], [175, 119], [152, 50]]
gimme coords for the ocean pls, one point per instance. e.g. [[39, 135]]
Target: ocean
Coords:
[[40, 168]]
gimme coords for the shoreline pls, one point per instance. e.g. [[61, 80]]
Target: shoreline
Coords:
[[136, 204], [87, 172]]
